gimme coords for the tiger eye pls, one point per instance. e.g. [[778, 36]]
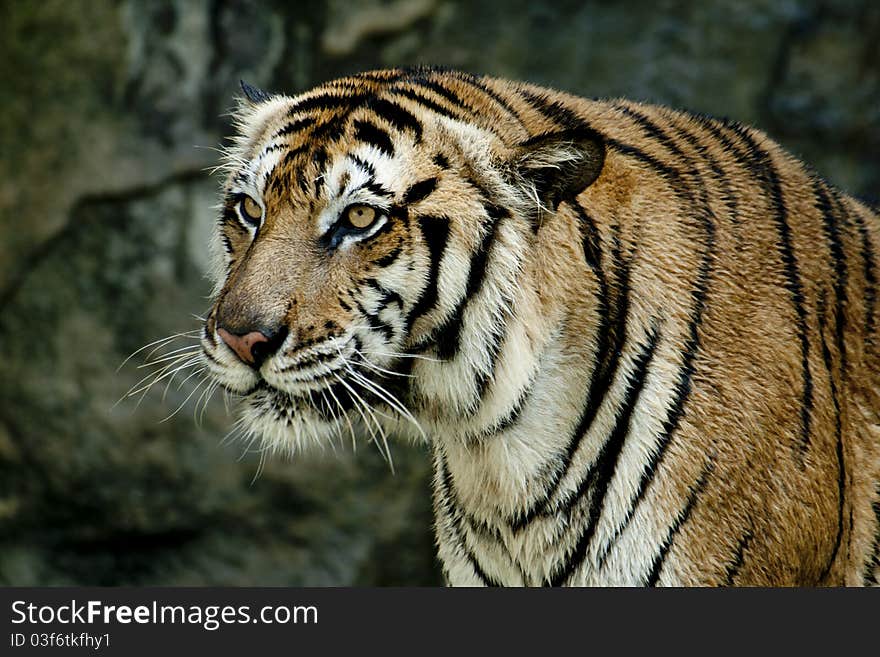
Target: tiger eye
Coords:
[[251, 209], [360, 216]]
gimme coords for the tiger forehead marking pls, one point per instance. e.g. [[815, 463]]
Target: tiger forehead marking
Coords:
[[640, 344]]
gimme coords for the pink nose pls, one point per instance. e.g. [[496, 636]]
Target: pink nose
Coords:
[[252, 348]]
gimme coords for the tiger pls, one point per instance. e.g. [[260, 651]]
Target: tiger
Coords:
[[640, 344]]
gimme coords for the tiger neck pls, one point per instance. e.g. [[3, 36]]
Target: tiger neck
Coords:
[[494, 470], [498, 414]]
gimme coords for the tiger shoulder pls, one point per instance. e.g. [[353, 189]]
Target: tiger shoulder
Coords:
[[640, 344]]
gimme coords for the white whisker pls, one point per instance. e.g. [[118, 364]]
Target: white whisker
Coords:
[[188, 397], [379, 370], [174, 367], [160, 342], [387, 451], [386, 396], [394, 354], [347, 419], [171, 355], [237, 426], [259, 468]]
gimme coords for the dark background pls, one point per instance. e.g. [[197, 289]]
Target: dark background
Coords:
[[109, 112]]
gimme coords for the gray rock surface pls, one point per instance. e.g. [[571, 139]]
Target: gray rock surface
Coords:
[[109, 116]]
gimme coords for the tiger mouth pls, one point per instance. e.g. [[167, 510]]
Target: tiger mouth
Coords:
[[328, 393], [285, 406], [309, 386]]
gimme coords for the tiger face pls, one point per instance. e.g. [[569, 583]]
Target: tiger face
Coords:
[[339, 207]]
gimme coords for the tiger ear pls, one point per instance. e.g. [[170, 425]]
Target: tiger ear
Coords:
[[255, 96], [560, 165]]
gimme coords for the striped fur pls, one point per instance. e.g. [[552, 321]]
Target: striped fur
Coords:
[[642, 344]]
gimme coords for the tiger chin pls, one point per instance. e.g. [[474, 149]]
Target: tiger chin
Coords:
[[640, 344]]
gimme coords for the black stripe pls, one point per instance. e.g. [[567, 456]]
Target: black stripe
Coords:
[[553, 110], [718, 130], [442, 91], [452, 511], [378, 189], [383, 75], [368, 168], [721, 178], [227, 246], [425, 102], [230, 212], [388, 296], [508, 420], [331, 130], [738, 561], [271, 148], [841, 492], [301, 181], [770, 178], [319, 158], [230, 220], [375, 136], [515, 413], [494, 341], [449, 336], [311, 360], [870, 274], [295, 126], [674, 177], [276, 185], [375, 323], [435, 231], [390, 258], [420, 191], [680, 520], [682, 392], [716, 127], [849, 535], [837, 219], [841, 466], [292, 154], [329, 101], [873, 563], [494, 337], [597, 480], [500, 100], [396, 116], [653, 130], [210, 338], [609, 347], [590, 242]]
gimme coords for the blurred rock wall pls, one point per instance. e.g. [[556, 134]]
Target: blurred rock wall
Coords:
[[109, 117]]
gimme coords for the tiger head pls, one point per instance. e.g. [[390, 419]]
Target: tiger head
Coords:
[[371, 248]]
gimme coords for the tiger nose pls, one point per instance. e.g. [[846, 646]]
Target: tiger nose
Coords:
[[252, 348]]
